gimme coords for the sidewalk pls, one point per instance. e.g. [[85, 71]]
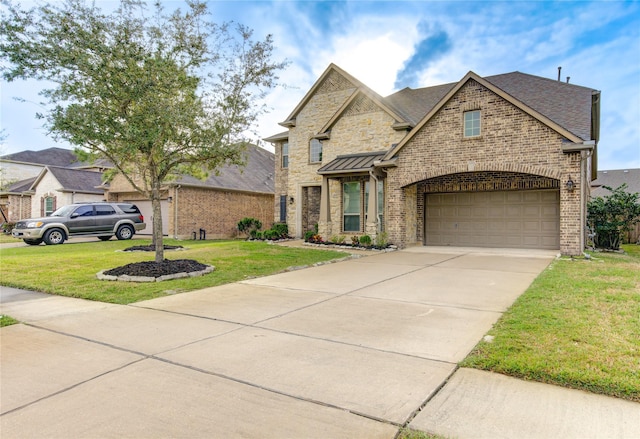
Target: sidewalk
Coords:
[[356, 349]]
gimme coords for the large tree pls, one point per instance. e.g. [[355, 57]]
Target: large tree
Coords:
[[156, 93]]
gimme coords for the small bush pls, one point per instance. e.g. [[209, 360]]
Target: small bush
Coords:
[[382, 239], [308, 235], [338, 239], [365, 240], [355, 240], [248, 225], [281, 230], [316, 239]]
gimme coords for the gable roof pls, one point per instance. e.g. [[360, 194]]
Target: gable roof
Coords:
[[566, 108], [614, 179], [48, 157], [256, 176], [21, 186], [73, 180], [526, 89]]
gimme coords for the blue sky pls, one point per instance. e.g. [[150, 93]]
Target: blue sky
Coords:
[[389, 45]]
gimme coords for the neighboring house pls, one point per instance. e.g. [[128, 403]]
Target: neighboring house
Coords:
[[52, 188], [19, 171], [214, 205], [615, 179], [498, 161], [28, 164]]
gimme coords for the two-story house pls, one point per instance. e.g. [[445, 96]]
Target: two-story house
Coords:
[[497, 161]]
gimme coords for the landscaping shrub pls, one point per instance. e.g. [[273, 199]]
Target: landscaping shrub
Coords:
[[612, 215], [248, 225], [365, 240], [355, 240], [308, 235]]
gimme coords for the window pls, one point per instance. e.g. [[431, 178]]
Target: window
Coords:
[[49, 206], [104, 209], [285, 155], [351, 202], [472, 123], [315, 151], [84, 211]]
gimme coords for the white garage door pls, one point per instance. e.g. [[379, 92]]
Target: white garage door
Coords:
[[515, 219], [147, 212]]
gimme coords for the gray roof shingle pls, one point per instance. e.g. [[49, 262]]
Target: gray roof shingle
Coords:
[[48, 157], [568, 105], [77, 180], [614, 179], [256, 176]]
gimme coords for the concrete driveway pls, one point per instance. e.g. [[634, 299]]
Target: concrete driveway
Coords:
[[346, 350]]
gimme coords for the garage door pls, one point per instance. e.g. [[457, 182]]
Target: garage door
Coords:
[[515, 219], [147, 211]]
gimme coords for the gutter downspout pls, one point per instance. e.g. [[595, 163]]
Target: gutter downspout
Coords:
[[175, 211]]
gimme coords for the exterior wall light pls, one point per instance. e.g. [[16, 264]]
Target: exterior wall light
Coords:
[[570, 185], [291, 200]]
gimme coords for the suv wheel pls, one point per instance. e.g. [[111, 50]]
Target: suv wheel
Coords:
[[124, 232], [53, 237]]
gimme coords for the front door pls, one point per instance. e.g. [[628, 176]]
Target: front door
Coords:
[[310, 207]]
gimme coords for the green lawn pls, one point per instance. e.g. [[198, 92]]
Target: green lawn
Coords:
[[70, 269], [6, 321], [578, 326]]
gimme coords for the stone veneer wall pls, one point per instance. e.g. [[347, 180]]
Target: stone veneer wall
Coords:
[[510, 141], [363, 127]]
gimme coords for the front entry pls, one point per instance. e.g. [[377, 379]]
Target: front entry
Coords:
[[310, 207], [511, 219]]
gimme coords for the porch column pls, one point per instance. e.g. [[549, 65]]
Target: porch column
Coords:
[[324, 222], [371, 227]]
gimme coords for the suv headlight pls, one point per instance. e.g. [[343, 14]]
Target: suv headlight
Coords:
[[34, 224]]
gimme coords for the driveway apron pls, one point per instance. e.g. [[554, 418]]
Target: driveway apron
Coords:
[[350, 349]]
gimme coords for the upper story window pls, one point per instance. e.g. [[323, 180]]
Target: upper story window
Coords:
[[285, 155], [472, 123], [315, 151]]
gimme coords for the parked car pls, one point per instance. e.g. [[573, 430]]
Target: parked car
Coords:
[[102, 220]]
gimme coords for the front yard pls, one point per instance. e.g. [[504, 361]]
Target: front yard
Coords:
[[578, 326], [70, 269]]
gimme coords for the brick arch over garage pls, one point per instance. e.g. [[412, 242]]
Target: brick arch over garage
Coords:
[[411, 178]]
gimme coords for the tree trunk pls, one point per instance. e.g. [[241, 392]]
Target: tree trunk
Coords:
[[157, 224]]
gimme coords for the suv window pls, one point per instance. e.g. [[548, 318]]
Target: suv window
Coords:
[[129, 208], [104, 209], [84, 211]]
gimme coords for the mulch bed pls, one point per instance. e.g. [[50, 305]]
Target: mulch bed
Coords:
[[157, 269], [150, 248]]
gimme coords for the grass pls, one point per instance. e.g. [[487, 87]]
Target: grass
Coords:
[[407, 433], [578, 326], [8, 239], [6, 321], [70, 269]]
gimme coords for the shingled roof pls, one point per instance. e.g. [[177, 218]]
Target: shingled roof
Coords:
[[48, 157], [76, 180], [256, 176], [567, 105], [615, 179]]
